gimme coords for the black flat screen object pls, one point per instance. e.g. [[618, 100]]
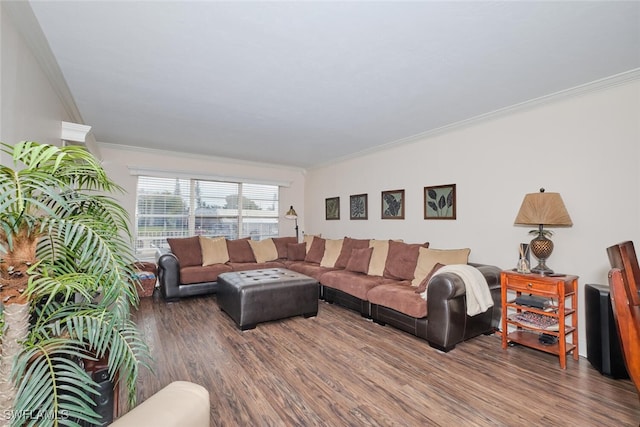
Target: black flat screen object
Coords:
[[603, 342], [532, 301]]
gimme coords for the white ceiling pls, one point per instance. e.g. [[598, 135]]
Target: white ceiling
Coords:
[[305, 83]]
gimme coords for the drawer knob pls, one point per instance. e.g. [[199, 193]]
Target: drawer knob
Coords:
[[529, 285]]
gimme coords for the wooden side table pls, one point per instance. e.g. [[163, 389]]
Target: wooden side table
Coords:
[[562, 292]]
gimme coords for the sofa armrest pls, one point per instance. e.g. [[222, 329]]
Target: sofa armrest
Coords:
[[169, 276], [181, 403], [447, 311]]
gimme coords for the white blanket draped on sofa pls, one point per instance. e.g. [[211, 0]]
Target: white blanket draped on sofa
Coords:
[[477, 290]]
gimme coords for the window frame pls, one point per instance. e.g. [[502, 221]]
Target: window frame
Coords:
[[239, 226]]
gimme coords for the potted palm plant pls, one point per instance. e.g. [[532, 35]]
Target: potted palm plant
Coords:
[[66, 286]]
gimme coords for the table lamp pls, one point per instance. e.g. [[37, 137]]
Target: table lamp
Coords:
[[543, 209], [291, 214]]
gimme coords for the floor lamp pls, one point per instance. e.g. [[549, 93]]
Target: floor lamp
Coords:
[[291, 214]]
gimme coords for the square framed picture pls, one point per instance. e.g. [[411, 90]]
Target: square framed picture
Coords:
[[440, 202], [332, 208], [393, 204], [358, 206]]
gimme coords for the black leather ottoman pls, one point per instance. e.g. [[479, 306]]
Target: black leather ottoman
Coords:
[[255, 296]]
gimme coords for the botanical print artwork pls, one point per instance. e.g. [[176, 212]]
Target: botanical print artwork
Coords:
[[358, 206], [440, 202], [393, 204], [332, 208]]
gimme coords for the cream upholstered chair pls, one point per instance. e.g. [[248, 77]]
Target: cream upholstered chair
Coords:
[[179, 404], [624, 278]]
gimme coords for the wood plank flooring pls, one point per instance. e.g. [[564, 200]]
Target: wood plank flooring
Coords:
[[339, 369]]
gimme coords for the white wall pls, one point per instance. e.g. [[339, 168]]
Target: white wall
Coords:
[[119, 160], [585, 147], [30, 109]]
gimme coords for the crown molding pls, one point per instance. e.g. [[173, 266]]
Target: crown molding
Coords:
[[74, 132], [594, 86], [226, 160]]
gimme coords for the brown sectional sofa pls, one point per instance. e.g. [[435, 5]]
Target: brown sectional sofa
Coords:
[[384, 280]]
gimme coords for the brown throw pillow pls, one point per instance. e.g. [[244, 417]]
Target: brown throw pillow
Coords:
[[402, 260], [187, 249], [423, 285], [348, 245], [296, 251], [316, 251], [240, 251], [282, 245], [359, 260]]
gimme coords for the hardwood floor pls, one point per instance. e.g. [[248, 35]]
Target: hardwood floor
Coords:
[[339, 369]]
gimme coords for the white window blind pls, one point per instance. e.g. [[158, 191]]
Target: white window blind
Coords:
[[178, 207]]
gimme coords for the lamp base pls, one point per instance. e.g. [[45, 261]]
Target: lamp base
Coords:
[[542, 268], [541, 247]]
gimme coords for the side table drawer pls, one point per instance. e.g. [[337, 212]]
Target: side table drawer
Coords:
[[527, 285]]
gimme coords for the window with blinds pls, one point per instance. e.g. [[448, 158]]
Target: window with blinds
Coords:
[[175, 207]]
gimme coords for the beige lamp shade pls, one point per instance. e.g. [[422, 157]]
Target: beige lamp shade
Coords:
[[543, 209]]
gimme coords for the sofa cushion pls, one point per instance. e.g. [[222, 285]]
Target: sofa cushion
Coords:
[[309, 269], [296, 251], [359, 260], [240, 250], [307, 239], [400, 296], [402, 259], [315, 252], [281, 245], [332, 249], [348, 244], [187, 249], [378, 256], [423, 285], [428, 258], [200, 274], [214, 250], [355, 284], [264, 250]]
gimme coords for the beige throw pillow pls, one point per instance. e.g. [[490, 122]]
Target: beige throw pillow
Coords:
[[264, 250], [378, 256], [214, 250], [332, 249], [428, 258]]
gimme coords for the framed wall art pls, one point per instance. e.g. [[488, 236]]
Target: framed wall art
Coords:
[[393, 204], [332, 208], [358, 206], [440, 202]]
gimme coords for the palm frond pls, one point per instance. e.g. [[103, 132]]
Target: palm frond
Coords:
[[81, 244], [104, 333], [54, 365]]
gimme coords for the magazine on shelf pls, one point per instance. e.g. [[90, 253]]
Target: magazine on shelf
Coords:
[[535, 320]]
